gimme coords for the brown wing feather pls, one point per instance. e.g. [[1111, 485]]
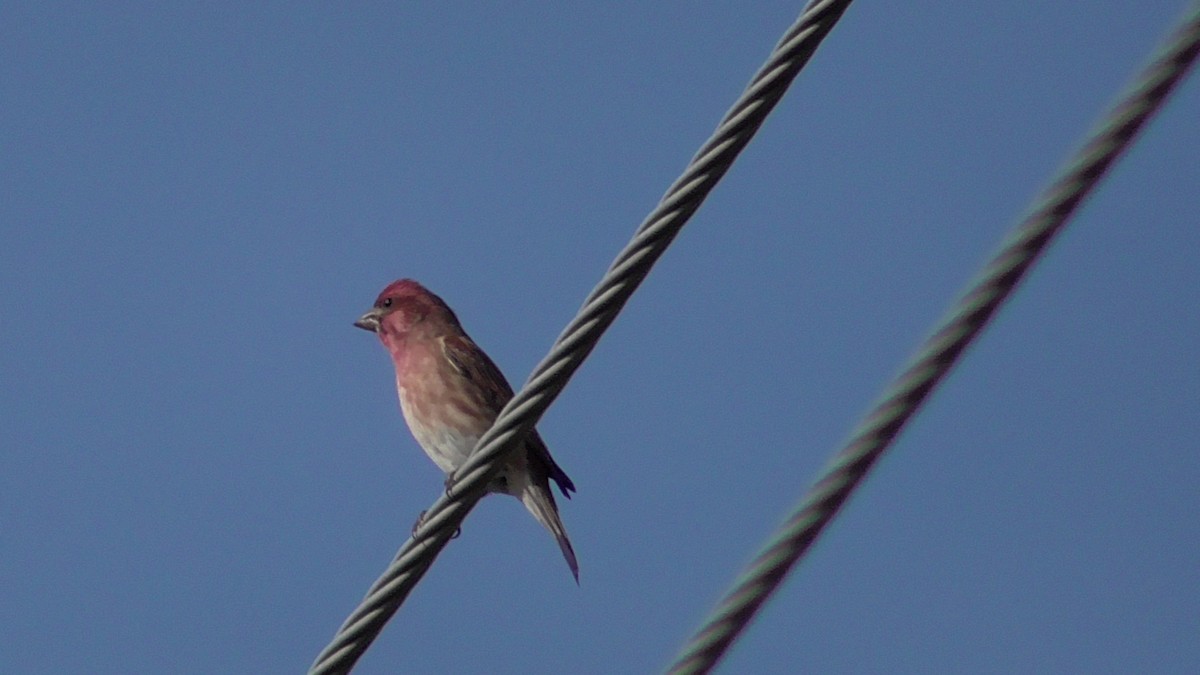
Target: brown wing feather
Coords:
[[474, 364]]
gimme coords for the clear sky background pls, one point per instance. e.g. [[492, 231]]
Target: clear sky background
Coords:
[[203, 463]]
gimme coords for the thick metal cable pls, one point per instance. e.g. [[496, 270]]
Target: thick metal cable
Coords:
[[579, 337], [940, 351]]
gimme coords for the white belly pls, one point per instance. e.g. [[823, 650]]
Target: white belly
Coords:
[[448, 448]]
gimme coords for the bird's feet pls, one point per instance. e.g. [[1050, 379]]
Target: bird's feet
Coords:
[[421, 521]]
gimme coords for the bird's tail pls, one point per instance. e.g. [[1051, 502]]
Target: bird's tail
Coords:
[[540, 502]]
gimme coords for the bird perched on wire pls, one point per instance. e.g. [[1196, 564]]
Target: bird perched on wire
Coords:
[[451, 392]]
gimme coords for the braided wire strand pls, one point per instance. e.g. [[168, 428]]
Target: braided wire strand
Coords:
[[938, 354], [580, 336]]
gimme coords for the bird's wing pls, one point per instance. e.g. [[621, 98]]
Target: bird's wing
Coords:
[[474, 364]]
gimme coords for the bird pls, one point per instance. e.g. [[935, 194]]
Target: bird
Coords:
[[450, 393]]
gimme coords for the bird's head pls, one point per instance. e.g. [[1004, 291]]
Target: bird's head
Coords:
[[404, 306]]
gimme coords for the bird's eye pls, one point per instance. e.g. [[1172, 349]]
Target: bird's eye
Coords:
[[387, 302]]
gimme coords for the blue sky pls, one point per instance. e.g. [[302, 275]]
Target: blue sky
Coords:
[[204, 465]]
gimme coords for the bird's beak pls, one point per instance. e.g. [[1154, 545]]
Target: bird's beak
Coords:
[[370, 320]]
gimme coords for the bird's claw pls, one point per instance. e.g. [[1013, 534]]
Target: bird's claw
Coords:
[[421, 521]]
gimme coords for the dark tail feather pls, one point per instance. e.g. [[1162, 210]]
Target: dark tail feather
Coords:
[[540, 502], [540, 454]]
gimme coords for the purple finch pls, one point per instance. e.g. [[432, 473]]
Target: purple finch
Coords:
[[451, 392]]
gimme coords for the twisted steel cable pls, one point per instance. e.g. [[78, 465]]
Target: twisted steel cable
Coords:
[[581, 335], [941, 350]]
